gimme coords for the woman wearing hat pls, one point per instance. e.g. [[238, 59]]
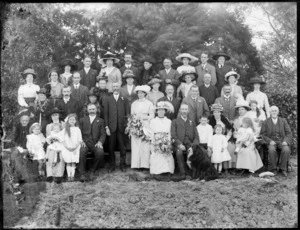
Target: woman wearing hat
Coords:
[[113, 74], [143, 109], [54, 84], [187, 79], [161, 125], [55, 116], [154, 95], [101, 92], [92, 99], [67, 68], [218, 118], [27, 92], [221, 68], [147, 71], [186, 58], [260, 97], [242, 106], [232, 78], [127, 90]]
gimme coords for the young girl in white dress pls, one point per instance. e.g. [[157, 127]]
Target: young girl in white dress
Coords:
[[35, 145], [219, 145], [55, 166], [71, 140]]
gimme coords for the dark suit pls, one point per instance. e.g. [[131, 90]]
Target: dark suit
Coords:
[[130, 97], [208, 69], [81, 95], [184, 133], [70, 107], [145, 76], [229, 110], [278, 133], [173, 75], [176, 104], [210, 93], [91, 134], [220, 74], [89, 79], [135, 71], [115, 117]]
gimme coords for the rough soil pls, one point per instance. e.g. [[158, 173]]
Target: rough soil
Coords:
[[127, 200]]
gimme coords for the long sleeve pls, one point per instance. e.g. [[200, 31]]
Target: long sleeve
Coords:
[[151, 112], [79, 136], [174, 137], [288, 132], [263, 132], [267, 105], [196, 137], [103, 133], [205, 107], [106, 108], [213, 75], [209, 135], [119, 76], [21, 99]]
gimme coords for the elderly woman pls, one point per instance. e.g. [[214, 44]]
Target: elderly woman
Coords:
[[147, 71], [144, 110], [154, 95], [186, 58], [67, 68], [160, 161], [187, 79], [27, 92], [257, 95], [236, 91], [113, 74], [218, 118], [54, 86]]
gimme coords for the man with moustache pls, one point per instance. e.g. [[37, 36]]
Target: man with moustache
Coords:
[[68, 104], [205, 68]]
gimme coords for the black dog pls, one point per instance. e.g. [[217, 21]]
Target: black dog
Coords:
[[201, 165]]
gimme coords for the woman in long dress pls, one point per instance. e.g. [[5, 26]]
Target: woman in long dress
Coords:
[[161, 163], [260, 97], [154, 95], [113, 74], [236, 91], [143, 109], [54, 86]]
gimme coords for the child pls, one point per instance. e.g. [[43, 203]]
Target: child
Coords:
[[55, 166], [219, 148], [35, 145], [71, 140], [242, 135], [205, 132]]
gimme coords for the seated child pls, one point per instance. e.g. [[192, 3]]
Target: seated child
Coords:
[[242, 136]]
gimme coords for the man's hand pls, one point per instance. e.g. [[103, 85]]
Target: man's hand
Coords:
[[126, 130], [83, 145], [99, 145], [107, 131], [272, 143], [284, 143], [182, 147], [209, 151]]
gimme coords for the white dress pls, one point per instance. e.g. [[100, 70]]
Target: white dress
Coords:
[[218, 142], [71, 142], [158, 162], [187, 68], [262, 101], [256, 120], [35, 145], [140, 150]]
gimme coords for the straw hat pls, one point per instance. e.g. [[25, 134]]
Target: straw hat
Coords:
[[242, 103], [216, 107], [257, 80], [193, 75], [186, 55], [128, 74], [165, 105], [155, 79], [108, 56], [232, 73], [29, 71], [144, 88], [219, 54]]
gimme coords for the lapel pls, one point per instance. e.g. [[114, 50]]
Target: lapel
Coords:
[[181, 123]]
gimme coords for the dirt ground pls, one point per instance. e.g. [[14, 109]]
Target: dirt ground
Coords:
[[127, 200]]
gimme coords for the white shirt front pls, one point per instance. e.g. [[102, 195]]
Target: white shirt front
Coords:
[[128, 66], [66, 99], [206, 85], [275, 120], [76, 86], [187, 88], [168, 70], [203, 65], [92, 118], [187, 68], [27, 91], [205, 133], [116, 96], [129, 88], [184, 118], [86, 70]]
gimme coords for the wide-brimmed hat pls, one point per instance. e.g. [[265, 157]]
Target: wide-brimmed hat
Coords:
[[69, 62], [165, 105], [186, 55], [155, 79], [23, 112], [219, 54], [216, 107], [29, 71], [149, 59], [55, 110], [232, 73], [182, 77], [44, 91], [93, 92], [109, 56], [99, 78], [128, 74], [242, 103], [257, 80], [144, 88]]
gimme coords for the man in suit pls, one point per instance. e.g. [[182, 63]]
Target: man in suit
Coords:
[[197, 105], [87, 74], [127, 90], [228, 102], [204, 68], [208, 91], [67, 104], [184, 136], [116, 110], [79, 92], [277, 134], [128, 65], [175, 102], [169, 76], [93, 136], [221, 69]]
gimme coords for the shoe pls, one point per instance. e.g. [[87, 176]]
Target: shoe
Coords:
[[82, 178], [274, 171], [112, 168], [283, 172], [49, 179], [123, 168]]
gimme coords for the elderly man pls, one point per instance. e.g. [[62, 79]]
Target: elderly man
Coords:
[[205, 68], [67, 104], [175, 102], [228, 102], [87, 74], [208, 90], [277, 134], [93, 136], [169, 76], [197, 105], [128, 65], [184, 135]]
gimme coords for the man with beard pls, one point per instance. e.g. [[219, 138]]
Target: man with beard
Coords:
[[93, 136]]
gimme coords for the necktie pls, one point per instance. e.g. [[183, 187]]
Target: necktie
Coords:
[[170, 98]]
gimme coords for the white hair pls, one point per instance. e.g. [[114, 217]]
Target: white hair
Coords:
[[274, 107]]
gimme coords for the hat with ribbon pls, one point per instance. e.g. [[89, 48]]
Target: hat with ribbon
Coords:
[[232, 73], [29, 71], [216, 107], [68, 62], [186, 55], [144, 88], [258, 80], [219, 54], [55, 110], [108, 56], [242, 103], [165, 105], [155, 79], [193, 75]]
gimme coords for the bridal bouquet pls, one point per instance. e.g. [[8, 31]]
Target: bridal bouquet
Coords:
[[135, 128], [162, 143]]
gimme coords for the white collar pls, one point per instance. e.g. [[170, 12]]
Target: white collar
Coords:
[[203, 65], [87, 68], [183, 118], [194, 98], [77, 85], [206, 85], [227, 97], [127, 65], [92, 116], [274, 119], [66, 99], [168, 70]]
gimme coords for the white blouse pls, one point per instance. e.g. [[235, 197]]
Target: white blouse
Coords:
[[27, 91], [261, 99]]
